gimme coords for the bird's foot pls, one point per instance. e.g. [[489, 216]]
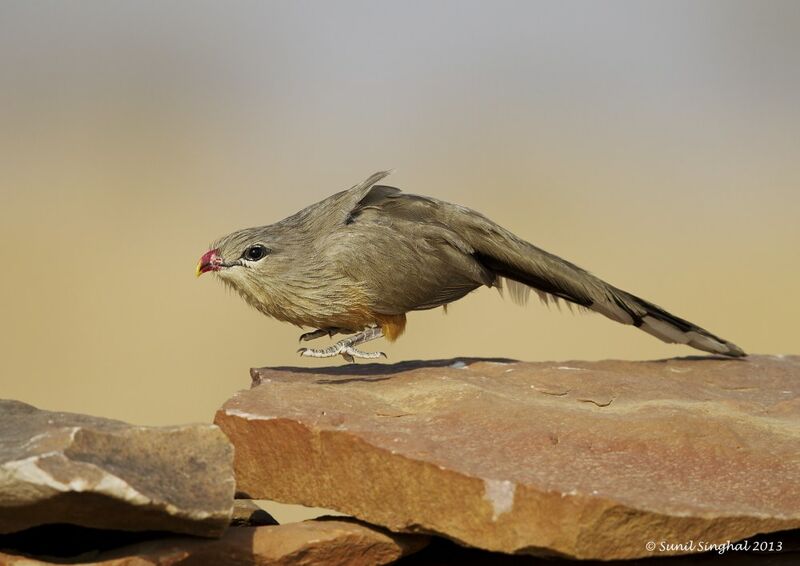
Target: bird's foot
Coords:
[[346, 348], [319, 333], [349, 353]]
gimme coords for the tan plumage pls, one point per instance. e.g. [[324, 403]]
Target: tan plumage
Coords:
[[367, 256]]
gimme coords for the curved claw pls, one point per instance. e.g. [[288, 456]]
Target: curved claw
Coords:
[[306, 336], [346, 348], [319, 333]]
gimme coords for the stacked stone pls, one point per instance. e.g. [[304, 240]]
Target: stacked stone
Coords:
[[588, 460]]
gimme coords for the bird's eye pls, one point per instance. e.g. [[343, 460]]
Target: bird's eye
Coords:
[[254, 253]]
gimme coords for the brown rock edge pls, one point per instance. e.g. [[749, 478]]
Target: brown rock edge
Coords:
[[94, 472], [323, 541], [583, 459]]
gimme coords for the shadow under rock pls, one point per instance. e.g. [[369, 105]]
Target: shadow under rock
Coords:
[[64, 541], [64, 544], [442, 552]]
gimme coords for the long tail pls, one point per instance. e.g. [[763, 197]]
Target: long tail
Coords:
[[508, 256], [505, 255]]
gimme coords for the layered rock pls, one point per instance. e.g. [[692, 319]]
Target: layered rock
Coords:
[[101, 473], [581, 459], [319, 542]]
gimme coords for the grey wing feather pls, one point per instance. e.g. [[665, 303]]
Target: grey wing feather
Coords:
[[426, 264], [351, 198], [328, 214], [511, 257], [480, 251]]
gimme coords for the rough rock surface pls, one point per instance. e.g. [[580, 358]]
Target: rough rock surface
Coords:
[[583, 459], [95, 472], [320, 542]]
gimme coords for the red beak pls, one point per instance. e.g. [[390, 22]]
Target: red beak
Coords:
[[211, 261]]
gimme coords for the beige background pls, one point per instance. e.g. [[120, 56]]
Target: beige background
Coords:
[[656, 144]]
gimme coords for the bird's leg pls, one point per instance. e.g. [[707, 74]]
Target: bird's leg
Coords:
[[319, 333], [347, 347]]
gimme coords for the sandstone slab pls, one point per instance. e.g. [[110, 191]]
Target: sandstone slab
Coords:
[[319, 542], [580, 459], [101, 473]]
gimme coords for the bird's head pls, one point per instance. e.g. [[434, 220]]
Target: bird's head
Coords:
[[241, 259]]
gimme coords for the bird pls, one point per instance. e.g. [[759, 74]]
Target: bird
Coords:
[[357, 262]]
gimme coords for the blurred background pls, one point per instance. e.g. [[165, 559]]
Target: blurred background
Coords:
[[656, 144]]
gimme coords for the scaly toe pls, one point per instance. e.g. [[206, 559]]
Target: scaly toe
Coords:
[[355, 353], [321, 352], [313, 353]]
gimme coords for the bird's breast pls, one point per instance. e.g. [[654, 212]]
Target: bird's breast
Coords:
[[328, 305]]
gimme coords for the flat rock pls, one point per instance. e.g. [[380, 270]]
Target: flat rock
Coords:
[[101, 473], [581, 459], [320, 542]]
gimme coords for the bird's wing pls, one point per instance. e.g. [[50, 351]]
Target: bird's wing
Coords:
[[404, 257], [328, 214], [349, 200], [484, 244]]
